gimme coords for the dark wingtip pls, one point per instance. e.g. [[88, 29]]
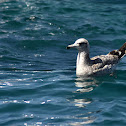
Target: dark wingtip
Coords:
[[121, 52], [123, 47]]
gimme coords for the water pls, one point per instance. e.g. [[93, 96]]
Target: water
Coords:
[[38, 85]]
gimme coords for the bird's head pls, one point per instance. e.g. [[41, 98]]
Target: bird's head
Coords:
[[81, 44]]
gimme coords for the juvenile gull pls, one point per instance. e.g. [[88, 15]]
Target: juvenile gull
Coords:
[[98, 65]]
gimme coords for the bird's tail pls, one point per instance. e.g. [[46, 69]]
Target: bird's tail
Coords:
[[121, 52]]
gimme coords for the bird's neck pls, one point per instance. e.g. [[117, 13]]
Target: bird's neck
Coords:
[[83, 61], [83, 58]]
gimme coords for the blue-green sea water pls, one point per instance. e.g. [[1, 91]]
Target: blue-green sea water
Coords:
[[38, 84]]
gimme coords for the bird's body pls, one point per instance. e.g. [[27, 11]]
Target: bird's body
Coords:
[[95, 66], [98, 65]]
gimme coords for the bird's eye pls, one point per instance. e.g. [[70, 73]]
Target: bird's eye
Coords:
[[80, 44]]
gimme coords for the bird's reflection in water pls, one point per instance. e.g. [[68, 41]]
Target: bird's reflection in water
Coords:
[[82, 102], [86, 84], [87, 116]]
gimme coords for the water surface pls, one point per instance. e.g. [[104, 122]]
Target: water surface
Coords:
[[38, 85]]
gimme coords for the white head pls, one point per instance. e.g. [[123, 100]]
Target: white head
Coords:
[[81, 44]]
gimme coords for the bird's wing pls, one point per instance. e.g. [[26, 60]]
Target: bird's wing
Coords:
[[102, 61], [106, 63], [106, 69]]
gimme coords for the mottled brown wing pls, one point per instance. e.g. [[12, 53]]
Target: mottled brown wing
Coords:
[[102, 60]]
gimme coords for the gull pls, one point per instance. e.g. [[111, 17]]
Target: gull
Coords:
[[98, 65]]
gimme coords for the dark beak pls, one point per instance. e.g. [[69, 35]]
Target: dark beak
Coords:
[[70, 46], [67, 47]]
